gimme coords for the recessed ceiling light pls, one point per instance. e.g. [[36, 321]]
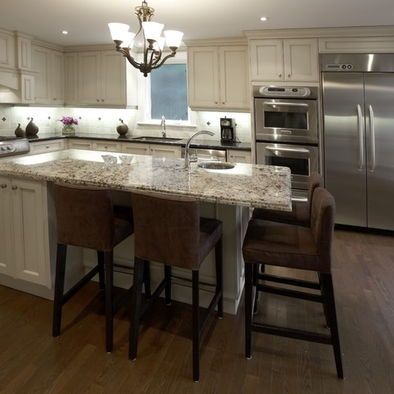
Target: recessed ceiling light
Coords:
[[65, 32], [264, 19]]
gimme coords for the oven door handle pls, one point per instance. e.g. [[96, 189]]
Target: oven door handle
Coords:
[[285, 104], [360, 137], [293, 150]]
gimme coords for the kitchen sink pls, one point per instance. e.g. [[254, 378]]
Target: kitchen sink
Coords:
[[157, 139], [215, 165]]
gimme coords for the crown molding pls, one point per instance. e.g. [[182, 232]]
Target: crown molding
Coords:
[[47, 45], [89, 48], [356, 31], [217, 41]]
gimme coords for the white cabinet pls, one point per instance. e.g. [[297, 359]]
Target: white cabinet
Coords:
[[113, 78], [80, 144], [239, 156], [46, 146], [109, 146], [7, 49], [135, 149], [168, 151], [284, 60], [49, 77], [218, 77], [89, 81], [70, 78], [25, 242]]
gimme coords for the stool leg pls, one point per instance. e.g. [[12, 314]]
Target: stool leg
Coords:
[[167, 277], [147, 287], [61, 256], [196, 326], [100, 262], [109, 278], [219, 275], [248, 309], [256, 270], [324, 295], [332, 318], [136, 307]]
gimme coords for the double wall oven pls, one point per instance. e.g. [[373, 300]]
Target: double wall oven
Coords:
[[286, 130]]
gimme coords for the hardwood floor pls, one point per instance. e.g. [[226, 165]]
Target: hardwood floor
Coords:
[[31, 361]]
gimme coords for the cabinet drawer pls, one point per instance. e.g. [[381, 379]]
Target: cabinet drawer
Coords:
[[48, 146], [80, 144], [107, 146], [135, 149], [172, 152], [236, 156]]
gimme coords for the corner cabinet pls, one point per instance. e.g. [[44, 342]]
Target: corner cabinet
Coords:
[[284, 60], [218, 77], [24, 232]]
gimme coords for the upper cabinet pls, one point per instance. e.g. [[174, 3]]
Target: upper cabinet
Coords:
[[48, 66], [284, 60], [218, 77], [99, 78], [7, 49]]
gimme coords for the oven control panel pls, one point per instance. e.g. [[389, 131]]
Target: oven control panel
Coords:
[[285, 91]]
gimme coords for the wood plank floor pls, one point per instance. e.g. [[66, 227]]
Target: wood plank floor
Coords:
[[31, 361]]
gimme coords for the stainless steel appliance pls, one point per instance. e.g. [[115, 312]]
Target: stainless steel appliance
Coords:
[[358, 110], [301, 159], [286, 114], [10, 146], [227, 130]]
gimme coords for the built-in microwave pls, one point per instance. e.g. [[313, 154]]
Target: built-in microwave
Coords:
[[286, 114], [301, 159]]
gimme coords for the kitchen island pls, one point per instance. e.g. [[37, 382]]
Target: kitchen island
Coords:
[[224, 194]]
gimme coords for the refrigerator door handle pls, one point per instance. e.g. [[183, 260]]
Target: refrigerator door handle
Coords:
[[372, 144], [360, 137]]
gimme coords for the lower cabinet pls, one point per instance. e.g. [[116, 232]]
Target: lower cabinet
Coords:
[[24, 251], [168, 151], [46, 146], [107, 146], [80, 144], [239, 156], [135, 149]]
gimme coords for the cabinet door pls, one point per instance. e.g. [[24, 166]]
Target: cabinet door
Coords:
[[107, 146], [171, 152], [5, 227], [80, 144], [27, 89], [70, 78], [301, 60], [135, 149], [203, 67], [7, 49], [239, 156], [56, 77], [46, 146], [30, 231], [113, 78], [266, 57], [234, 86], [41, 65], [89, 84]]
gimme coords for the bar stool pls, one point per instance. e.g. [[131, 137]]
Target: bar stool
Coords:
[[170, 231], [85, 218], [298, 247]]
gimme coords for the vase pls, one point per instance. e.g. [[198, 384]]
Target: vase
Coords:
[[68, 129]]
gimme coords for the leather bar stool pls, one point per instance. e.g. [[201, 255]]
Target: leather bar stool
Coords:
[[298, 247], [87, 218], [170, 231]]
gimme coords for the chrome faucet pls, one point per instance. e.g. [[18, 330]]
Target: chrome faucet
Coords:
[[163, 127], [187, 148]]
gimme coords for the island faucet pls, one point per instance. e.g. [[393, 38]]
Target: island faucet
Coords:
[[187, 148], [163, 127]]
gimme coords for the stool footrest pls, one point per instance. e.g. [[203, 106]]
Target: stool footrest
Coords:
[[292, 333], [208, 312], [290, 281], [80, 284], [156, 294], [290, 293]]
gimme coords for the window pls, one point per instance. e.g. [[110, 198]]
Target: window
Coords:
[[168, 92]]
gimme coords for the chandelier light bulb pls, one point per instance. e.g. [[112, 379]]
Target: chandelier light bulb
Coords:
[[173, 38], [118, 31]]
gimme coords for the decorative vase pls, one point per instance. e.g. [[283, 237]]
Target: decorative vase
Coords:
[[68, 129], [31, 129], [19, 132], [122, 129]]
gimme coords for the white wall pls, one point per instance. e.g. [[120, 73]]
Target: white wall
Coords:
[[104, 121]]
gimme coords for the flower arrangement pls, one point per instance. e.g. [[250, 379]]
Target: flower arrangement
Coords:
[[68, 120]]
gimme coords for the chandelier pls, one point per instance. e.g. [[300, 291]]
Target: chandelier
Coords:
[[153, 41]]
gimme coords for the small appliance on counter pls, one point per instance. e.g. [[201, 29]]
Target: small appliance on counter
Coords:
[[11, 146], [227, 130]]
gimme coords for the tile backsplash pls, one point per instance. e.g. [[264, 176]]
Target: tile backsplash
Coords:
[[104, 120]]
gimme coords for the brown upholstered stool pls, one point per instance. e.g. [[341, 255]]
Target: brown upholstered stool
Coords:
[[296, 247], [85, 218], [171, 232]]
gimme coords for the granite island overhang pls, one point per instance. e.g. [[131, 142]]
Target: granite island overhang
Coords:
[[224, 194]]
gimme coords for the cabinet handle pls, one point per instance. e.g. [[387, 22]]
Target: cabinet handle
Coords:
[[289, 75], [102, 100], [98, 100], [14, 187], [4, 186], [216, 102], [223, 102], [280, 75], [55, 98]]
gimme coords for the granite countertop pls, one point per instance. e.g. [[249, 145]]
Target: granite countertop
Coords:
[[255, 186], [202, 144]]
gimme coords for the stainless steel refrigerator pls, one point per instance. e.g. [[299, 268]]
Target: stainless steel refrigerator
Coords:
[[358, 127]]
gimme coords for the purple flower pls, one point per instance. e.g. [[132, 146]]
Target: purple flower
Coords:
[[68, 120]]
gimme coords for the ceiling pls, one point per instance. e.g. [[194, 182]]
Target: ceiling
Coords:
[[86, 20]]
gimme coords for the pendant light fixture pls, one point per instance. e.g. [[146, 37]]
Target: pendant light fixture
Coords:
[[153, 41]]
